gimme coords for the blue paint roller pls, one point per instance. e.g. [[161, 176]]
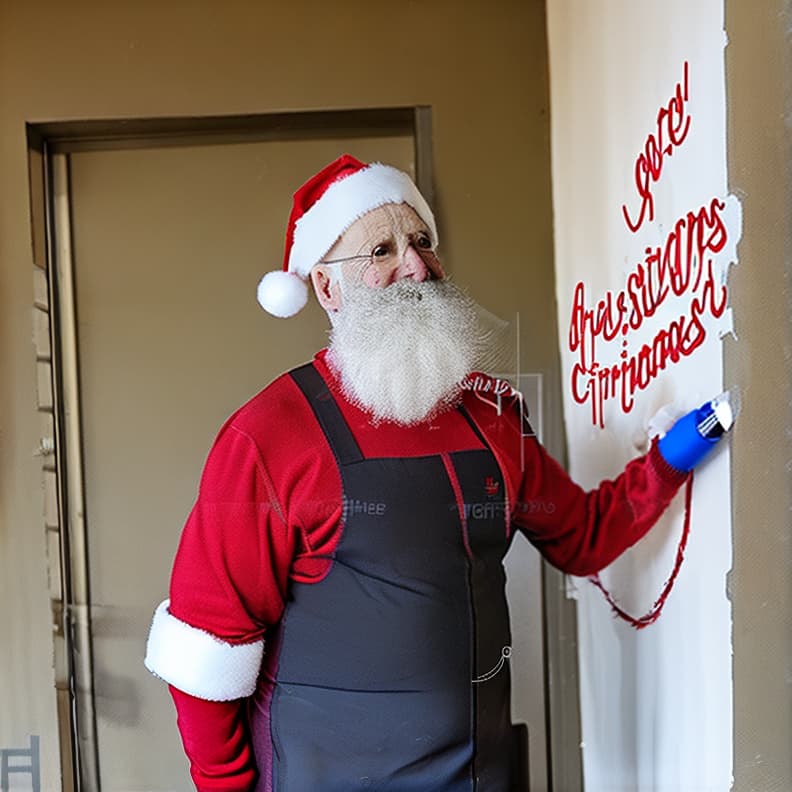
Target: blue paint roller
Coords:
[[694, 435]]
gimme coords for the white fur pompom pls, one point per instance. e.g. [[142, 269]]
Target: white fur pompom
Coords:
[[282, 294]]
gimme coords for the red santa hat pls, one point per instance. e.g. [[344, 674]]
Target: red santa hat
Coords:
[[324, 207]]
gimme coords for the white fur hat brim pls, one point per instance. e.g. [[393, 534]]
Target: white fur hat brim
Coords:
[[346, 201]]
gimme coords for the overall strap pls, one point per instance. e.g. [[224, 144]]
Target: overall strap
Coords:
[[315, 390], [466, 415]]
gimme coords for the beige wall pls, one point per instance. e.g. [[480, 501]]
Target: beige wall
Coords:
[[480, 65], [759, 95]]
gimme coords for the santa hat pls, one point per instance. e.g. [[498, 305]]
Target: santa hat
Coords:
[[324, 207]]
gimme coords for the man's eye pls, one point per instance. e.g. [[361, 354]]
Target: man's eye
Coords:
[[380, 250], [424, 242]]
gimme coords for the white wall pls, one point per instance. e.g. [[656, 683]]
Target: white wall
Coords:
[[655, 704]]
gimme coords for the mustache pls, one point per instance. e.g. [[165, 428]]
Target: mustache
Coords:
[[493, 341], [436, 304]]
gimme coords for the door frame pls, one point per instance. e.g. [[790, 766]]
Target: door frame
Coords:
[[49, 147]]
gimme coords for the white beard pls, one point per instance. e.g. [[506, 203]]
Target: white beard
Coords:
[[402, 352]]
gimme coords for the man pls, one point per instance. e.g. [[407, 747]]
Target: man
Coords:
[[337, 618]]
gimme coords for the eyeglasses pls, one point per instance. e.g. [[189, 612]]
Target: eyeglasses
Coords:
[[386, 257]]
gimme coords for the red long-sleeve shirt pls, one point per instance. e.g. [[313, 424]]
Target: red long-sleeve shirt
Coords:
[[269, 511]]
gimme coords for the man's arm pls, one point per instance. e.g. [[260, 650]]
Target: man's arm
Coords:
[[216, 740], [227, 587], [582, 532]]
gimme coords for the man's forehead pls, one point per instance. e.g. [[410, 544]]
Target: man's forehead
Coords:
[[378, 225]]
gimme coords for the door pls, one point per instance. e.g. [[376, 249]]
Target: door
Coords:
[[168, 247]]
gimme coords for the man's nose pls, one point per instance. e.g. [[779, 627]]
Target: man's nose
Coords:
[[412, 266]]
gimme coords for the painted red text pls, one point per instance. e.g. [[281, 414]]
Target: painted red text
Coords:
[[682, 269], [673, 124]]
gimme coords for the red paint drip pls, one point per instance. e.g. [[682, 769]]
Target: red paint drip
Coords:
[[652, 615]]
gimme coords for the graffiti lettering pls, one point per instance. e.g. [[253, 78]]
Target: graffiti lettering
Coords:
[[672, 127], [683, 266]]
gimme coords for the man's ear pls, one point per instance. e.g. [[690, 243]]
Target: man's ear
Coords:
[[327, 292]]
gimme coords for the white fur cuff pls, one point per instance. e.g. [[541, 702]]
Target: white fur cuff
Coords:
[[345, 201], [199, 663]]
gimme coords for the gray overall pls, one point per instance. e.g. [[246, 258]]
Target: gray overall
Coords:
[[387, 674]]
